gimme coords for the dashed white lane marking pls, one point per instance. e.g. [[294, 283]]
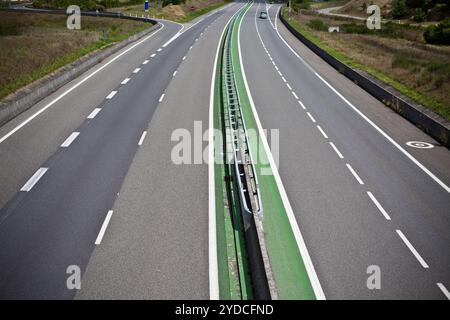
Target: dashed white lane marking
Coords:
[[295, 95], [17, 128], [159, 50], [153, 55], [301, 103], [336, 150], [137, 70], [444, 290], [184, 58], [354, 174], [174, 73], [322, 132], [125, 81], [289, 86], [311, 117], [280, 73], [375, 201], [34, 179], [69, 139], [162, 97], [112, 94], [196, 39], [145, 61], [94, 113], [190, 47], [412, 249], [276, 68], [284, 79], [103, 228], [141, 140]]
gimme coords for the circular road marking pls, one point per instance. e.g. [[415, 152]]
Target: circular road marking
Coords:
[[419, 144]]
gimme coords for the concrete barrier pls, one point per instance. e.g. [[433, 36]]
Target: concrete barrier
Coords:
[[428, 121], [24, 98]]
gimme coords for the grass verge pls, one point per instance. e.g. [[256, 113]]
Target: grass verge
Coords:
[[416, 69]]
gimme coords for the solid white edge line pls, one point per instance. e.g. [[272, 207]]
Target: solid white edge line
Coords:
[[322, 132], [70, 139], [412, 249], [10, 133], [125, 81], [212, 236], [315, 283], [378, 205], [444, 290], [94, 113], [103, 228], [362, 115], [34, 179], [336, 150], [141, 140], [354, 174], [111, 95], [162, 97]]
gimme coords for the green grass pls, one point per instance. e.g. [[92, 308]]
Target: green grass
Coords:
[[16, 77], [425, 100]]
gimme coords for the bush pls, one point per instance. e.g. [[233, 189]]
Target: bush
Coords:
[[420, 15], [398, 9], [439, 34], [317, 24]]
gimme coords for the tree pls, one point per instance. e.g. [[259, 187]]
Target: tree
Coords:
[[398, 9]]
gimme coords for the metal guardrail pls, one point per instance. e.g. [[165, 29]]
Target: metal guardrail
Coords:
[[242, 156]]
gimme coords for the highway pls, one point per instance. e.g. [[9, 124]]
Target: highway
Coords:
[[332, 155], [89, 179]]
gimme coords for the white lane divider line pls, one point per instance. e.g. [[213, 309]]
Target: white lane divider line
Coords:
[[295, 95], [153, 55], [284, 79], [184, 58], [21, 125], [311, 117], [34, 179], [137, 70], [412, 249], [322, 132], [145, 61], [375, 201], [190, 47], [111, 95], [159, 50], [125, 81], [94, 113], [162, 97], [196, 39], [336, 150], [141, 140], [174, 73], [354, 173], [276, 68], [444, 290], [69, 139], [289, 86], [301, 103], [280, 73], [103, 228]]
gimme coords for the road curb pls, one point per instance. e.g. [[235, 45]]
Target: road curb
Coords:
[[26, 97], [425, 119]]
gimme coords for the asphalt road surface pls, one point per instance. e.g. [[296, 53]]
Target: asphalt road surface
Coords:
[[88, 177], [331, 157]]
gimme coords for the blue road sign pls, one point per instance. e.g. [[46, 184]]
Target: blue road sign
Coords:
[[146, 5]]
